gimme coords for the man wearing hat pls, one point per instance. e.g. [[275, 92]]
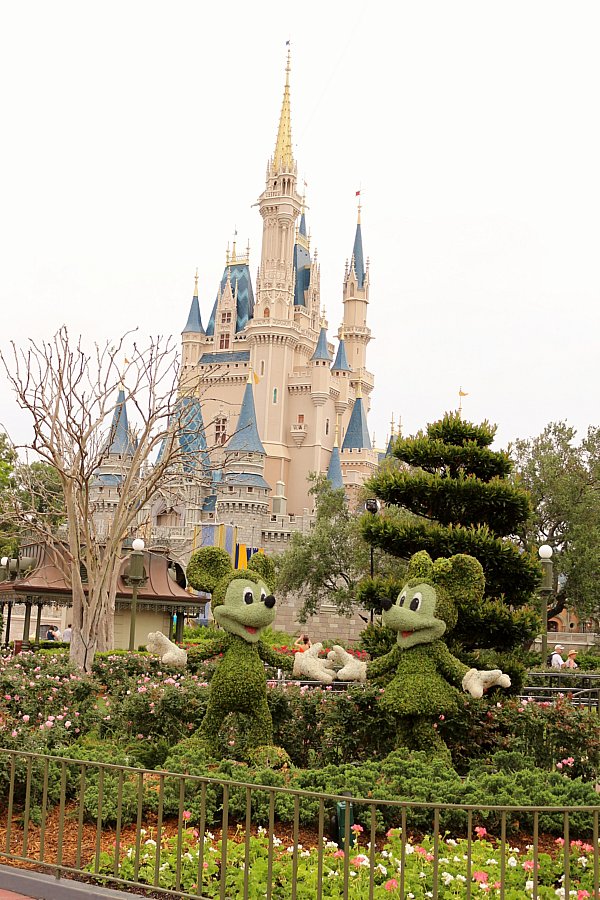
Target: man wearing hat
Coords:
[[556, 661]]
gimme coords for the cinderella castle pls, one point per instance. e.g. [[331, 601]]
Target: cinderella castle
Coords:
[[271, 397]]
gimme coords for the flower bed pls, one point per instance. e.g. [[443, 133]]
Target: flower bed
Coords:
[[400, 869]]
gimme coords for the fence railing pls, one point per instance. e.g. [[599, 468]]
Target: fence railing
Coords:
[[148, 829]]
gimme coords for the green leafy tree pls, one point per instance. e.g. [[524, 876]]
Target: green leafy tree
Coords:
[[462, 501], [328, 563], [562, 476]]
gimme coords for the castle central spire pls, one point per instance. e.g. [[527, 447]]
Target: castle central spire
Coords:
[[283, 158]]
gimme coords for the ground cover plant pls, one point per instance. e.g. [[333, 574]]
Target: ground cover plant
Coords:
[[398, 869]]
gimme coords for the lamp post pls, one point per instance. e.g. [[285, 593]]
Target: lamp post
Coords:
[[546, 587], [135, 577], [372, 506]]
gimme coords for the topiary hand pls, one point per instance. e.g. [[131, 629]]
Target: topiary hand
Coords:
[[309, 665], [352, 669], [477, 682]]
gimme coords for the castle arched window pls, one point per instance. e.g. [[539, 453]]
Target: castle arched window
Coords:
[[262, 367], [326, 426], [266, 313], [274, 395]]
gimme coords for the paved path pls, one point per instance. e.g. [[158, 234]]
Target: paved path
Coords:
[[10, 895]]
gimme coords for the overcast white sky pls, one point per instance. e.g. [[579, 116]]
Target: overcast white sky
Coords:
[[135, 138]]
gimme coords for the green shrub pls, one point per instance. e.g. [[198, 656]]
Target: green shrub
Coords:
[[206, 567]]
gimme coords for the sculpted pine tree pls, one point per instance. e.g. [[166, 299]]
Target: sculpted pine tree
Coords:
[[74, 399], [458, 491]]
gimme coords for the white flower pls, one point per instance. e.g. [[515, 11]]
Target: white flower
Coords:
[[451, 842], [422, 875], [583, 861], [461, 878], [529, 885], [381, 868], [447, 878], [150, 842], [491, 862], [511, 861], [330, 845], [409, 849], [277, 841]]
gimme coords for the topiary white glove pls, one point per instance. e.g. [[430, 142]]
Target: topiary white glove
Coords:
[[476, 682], [352, 669]]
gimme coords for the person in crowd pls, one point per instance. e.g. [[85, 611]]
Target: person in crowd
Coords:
[[556, 660], [67, 633], [570, 663], [303, 643], [50, 633]]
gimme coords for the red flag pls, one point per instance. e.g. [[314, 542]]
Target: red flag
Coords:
[[357, 194]]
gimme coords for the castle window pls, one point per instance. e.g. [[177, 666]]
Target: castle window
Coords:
[[262, 367], [266, 313], [300, 420], [274, 395], [224, 342], [226, 318], [326, 426], [220, 431]]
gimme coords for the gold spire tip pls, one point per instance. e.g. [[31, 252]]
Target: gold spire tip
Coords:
[[196, 283]]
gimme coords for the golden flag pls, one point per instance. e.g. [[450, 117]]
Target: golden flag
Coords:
[[462, 393], [255, 377]]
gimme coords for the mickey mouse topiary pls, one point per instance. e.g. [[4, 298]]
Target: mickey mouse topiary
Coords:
[[425, 675]]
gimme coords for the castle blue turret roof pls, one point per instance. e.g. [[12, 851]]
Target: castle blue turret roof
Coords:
[[341, 361], [322, 350], [245, 437], [302, 263], [239, 276], [358, 260], [119, 441], [357, 433], [194, 322], [190, 435], [334, 472]]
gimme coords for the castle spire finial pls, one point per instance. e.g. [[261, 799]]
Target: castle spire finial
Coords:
[[283, 158], [196, 283]]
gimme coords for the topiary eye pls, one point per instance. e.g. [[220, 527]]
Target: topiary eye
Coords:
[[248, 597], [263, 595], [415, 603], [402, 598]]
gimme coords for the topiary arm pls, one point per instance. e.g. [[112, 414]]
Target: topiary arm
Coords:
[[274, 657], [453, 670], [384, 664], [210, 647]]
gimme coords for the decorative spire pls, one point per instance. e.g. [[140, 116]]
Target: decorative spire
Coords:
[[322, 350], [246, 438], [283, 158], [194, 322], [358, 260], [341, 360], [119, 441], [334, 472], [357, 433]]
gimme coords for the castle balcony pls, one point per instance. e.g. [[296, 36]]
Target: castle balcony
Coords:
[[298, 432]]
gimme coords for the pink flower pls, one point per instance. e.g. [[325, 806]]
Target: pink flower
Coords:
[[529, 865], [357, 829], [67, 724], [339, 854], [560, 842], [186, 814], [360, 860], [582, 894], [480, 831], [391, 885], [14, 732], [26, 718], [481, 877]]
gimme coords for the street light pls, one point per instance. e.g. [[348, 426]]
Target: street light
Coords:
[[135, 577], [372, 505], [546, 587]]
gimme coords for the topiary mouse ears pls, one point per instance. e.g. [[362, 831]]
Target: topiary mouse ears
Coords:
[[462, 577], [420, 567]]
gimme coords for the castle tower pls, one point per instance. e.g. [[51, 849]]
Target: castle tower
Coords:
[[117, 458], [356, 302], [279, 205], [334, 472], [242, 498], [192, 338]]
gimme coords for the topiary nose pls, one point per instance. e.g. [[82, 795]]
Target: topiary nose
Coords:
[[270, 601], [386, 604]]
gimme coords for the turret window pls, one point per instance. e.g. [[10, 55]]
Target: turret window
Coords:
[[326, 426], [266, 313], [262, 367], [274, 395], [226, 318], [224, 342], [220, 431]]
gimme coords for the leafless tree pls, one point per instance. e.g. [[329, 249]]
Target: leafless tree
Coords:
[[71, 396]]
